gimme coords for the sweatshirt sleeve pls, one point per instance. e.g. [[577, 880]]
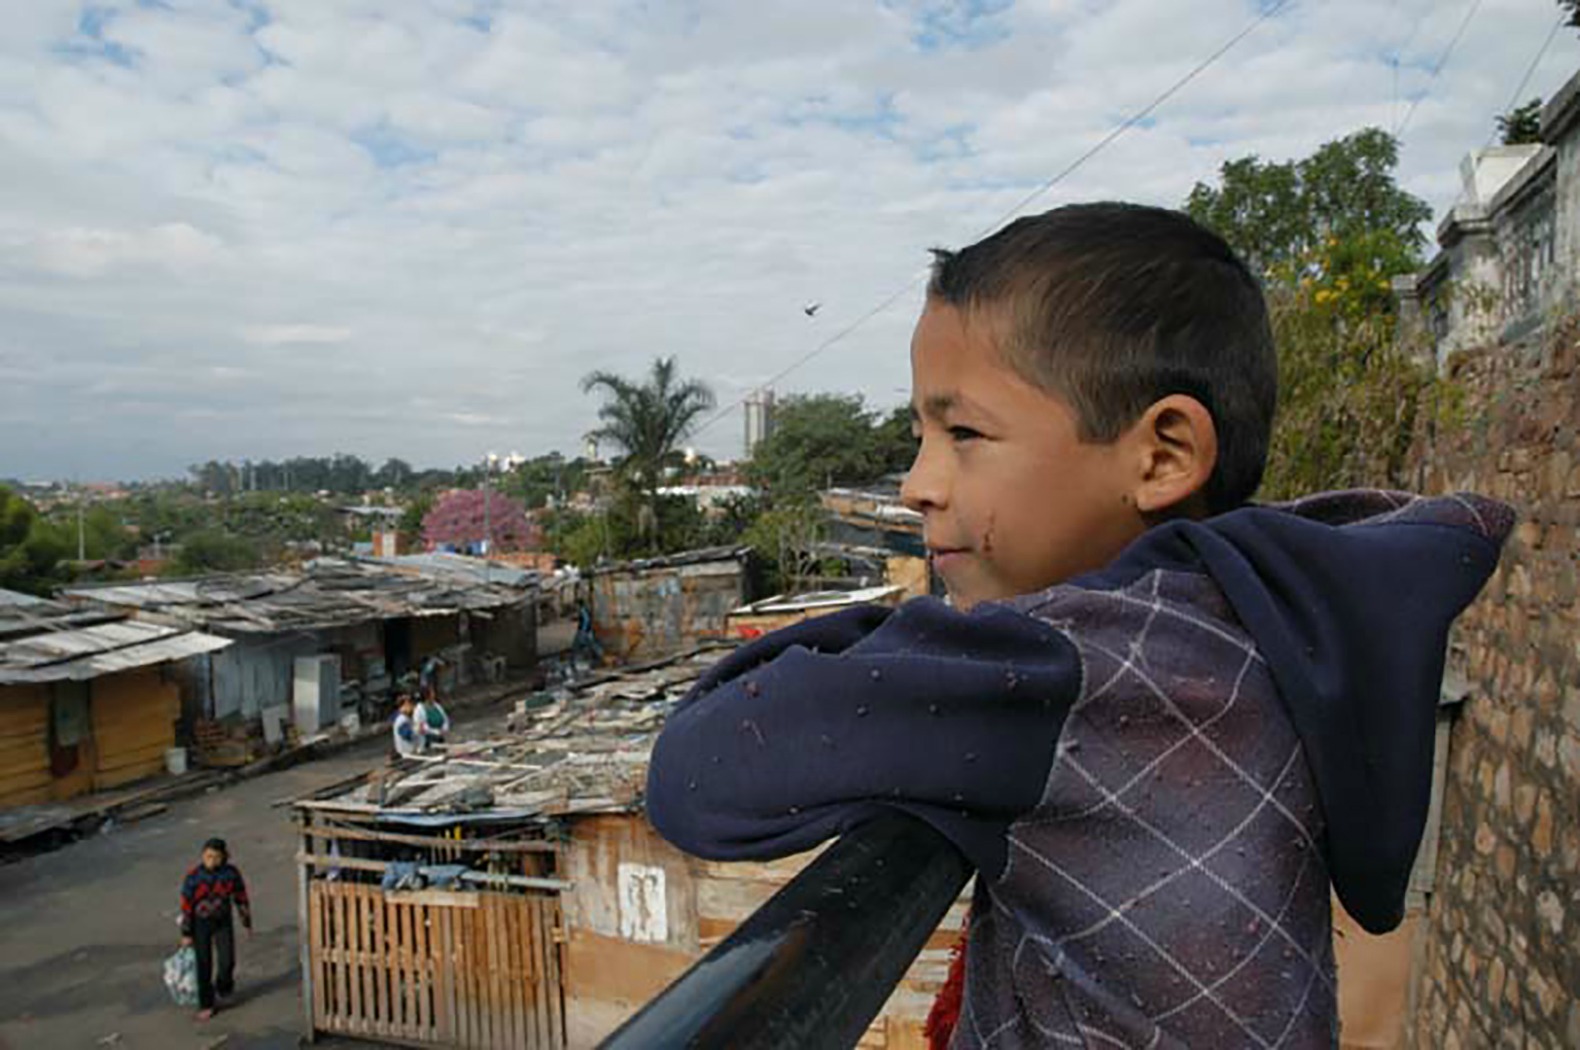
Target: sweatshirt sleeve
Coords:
[[187, 888], [799, 737], [242, 901]]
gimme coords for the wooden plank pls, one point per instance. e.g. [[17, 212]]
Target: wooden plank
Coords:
[[444, 977], [460, 926], [500, 972], [541, 932], [410, 982], [555, 939], [336, 831], [321, 860], [476, 965], [379, 963], [304, 924], [491, 987], [437, 898], [508, 981], [338, 910], [315, 954], [368, 960], [531, 1016], [355, 946], [515, 986], [425, 982], [515, 981], [485, 978], [537, 1002]]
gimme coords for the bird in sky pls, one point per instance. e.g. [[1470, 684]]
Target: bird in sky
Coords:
[[811, 309]]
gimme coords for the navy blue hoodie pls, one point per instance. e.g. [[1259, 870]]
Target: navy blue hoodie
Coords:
[[1158, 769]]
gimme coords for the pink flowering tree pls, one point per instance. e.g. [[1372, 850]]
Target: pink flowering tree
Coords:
[[456, 522]]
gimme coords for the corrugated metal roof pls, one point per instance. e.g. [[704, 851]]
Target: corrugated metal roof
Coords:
[[18, 598], [460, 566], [90, 652], [669, 561], [333, 593]]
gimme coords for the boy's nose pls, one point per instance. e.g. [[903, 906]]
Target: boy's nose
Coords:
[[923, 488]]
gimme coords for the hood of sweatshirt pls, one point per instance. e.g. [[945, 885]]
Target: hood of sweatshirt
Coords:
[[1350, 597]]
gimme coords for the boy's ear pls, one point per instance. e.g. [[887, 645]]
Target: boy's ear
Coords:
[[1178, 448]]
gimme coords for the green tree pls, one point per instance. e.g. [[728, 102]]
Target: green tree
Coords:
[[1522, 125], [31, 551], [821, 440], [410, 527], [783, 541], [1286, 218], [105, 536], [215, 550], [647, 420], [1328, 234]]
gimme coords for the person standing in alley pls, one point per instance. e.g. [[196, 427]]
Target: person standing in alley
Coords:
[[209, 893], [404, 737]]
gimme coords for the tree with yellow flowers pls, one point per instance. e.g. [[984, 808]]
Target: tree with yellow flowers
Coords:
[[1327, 234]]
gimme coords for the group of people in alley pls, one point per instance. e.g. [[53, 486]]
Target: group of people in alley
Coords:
[[420, 721]]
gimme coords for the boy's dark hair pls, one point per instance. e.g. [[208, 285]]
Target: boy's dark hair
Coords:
[[217, 844], [1112, 306]]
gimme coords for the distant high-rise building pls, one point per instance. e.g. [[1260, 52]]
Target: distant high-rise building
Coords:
[[759, 418]]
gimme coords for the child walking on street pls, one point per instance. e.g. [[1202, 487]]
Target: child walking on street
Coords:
[[208, 894]]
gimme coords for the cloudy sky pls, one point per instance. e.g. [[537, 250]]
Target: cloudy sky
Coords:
[[408, 227]]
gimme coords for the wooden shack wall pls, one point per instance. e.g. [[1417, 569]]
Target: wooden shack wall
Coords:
[[134, 722], [24, 745], [614, 962]]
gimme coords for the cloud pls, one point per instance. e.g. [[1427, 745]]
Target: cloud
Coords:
[[78, 252], [409, 228], [282, 334]]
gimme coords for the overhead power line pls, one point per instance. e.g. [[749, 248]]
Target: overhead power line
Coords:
[[1530, 70], [1268, 11], [1442, 61]]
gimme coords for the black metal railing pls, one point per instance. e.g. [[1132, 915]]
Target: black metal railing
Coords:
[[813, 966]]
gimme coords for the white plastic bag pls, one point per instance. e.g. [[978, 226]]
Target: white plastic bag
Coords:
[[181, 976]]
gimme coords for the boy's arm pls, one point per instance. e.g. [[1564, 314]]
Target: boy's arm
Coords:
[[951, 717], [243, 903], [186, 904]]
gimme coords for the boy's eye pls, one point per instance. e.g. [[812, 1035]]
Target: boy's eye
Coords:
[[964, 433]]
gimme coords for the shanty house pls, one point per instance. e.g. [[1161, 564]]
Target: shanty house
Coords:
[[657, 607], [376, 621], [88, 700], [563, 912]]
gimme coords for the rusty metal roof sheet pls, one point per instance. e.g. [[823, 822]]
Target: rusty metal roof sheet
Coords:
[[89, 652]]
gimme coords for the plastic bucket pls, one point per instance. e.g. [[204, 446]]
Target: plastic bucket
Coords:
[[176, 760]]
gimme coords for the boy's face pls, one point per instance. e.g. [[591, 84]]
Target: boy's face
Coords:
[[1012, 500], [212, 858]]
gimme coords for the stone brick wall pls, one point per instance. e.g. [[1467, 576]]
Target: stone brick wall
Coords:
[[1499, 964]]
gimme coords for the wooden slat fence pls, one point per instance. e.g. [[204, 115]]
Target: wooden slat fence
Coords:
[[475, 970]]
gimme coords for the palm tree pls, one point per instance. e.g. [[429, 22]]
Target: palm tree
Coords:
[[647, 420]]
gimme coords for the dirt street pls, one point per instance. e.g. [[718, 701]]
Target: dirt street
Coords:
[[86, 928]]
